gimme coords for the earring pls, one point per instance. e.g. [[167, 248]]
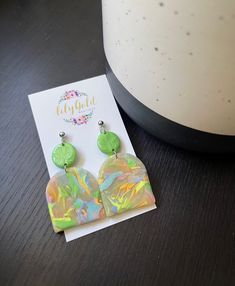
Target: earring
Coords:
[[123, 179], [73, 195]]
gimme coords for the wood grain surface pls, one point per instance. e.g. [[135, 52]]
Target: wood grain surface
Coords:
[[189, 240]]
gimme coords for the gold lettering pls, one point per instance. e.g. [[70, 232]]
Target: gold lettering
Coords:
[[78, 105], [92, 101], [58, 110]]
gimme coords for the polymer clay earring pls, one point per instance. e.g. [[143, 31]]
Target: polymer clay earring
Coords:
[[123, 179], [73, 195]]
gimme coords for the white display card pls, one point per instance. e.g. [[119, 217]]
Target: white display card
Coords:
[[76, 109]]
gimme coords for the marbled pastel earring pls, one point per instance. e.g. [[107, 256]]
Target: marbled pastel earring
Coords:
[[73, 195], [123, 179]]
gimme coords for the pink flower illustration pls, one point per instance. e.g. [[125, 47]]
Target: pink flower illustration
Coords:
[[71, 94], [83, 119]]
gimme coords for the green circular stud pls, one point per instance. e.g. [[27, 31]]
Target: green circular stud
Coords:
[[108, 143], [64, 154]]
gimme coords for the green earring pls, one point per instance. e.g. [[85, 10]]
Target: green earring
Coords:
[[123, 179], [73, 195], [108, 142], [64, 154]]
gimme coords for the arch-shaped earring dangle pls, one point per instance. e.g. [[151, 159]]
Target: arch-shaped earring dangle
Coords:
[[73, 195], [123, 178]]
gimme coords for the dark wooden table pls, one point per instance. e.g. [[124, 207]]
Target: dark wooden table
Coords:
[[189, 240]]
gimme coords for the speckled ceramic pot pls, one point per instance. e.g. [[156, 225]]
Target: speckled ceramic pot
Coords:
[[171, 65]]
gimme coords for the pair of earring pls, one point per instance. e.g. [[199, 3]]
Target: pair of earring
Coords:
[[75, 197]]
